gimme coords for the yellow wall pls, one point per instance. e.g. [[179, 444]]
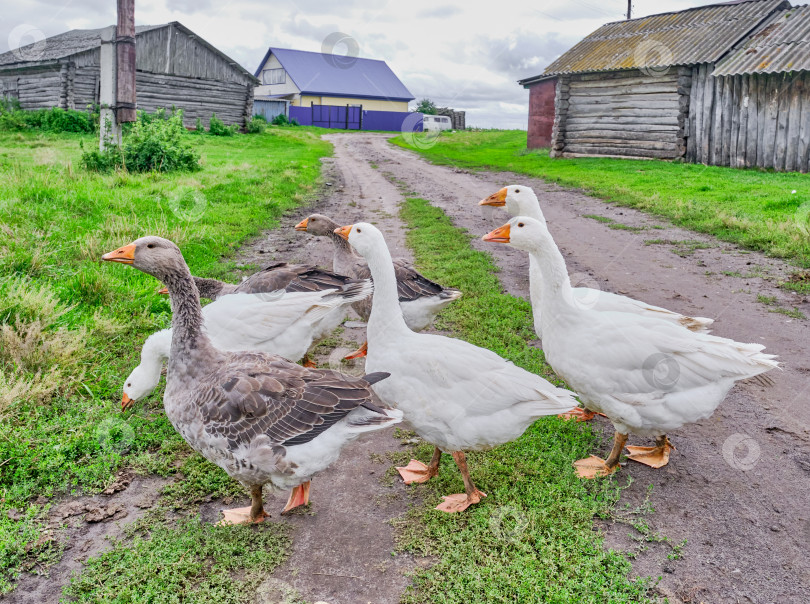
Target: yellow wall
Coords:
[[368, 104]]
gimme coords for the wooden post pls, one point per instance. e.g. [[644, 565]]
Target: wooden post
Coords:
[[347, 116], [629, 9], [109, 129], [125, 54]]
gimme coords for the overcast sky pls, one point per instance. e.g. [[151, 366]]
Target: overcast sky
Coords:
[[463, 55]]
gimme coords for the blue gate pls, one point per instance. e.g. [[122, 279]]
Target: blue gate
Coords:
[[349, 117]]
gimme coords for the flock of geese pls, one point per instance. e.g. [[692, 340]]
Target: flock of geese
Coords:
[[237, 395]]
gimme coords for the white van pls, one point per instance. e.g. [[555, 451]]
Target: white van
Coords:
[[436, 122]]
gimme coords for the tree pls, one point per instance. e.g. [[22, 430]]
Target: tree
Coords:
[[426, 106]]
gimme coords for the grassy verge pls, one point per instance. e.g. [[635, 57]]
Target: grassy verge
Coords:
[[759, 210], [532, 540], [71, 329]]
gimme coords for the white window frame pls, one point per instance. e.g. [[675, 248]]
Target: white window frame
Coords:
[[267, 76]]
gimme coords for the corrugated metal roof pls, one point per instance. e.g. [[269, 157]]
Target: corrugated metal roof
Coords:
[[698, 35], [62, 45], [782, 43], [319, 74]]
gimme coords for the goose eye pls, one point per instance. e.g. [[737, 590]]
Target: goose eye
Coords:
[[150, 245], [520, 224], [359, 231], [517, 190], [129, 384]]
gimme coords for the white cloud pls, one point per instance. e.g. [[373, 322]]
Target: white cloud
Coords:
[[467, 55]]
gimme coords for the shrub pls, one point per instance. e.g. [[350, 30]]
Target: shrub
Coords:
[[154, 143], [280, 120], [218, 128], [256, 125], [53, 120], [294, 122], [198, 126]]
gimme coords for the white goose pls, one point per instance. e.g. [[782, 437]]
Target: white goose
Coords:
[[647, 374], [456, 396], [521, 200], [261, 418], [279, 322]]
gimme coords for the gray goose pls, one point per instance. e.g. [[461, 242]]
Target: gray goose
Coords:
[[291, 278], [420, 298], [261, 418]]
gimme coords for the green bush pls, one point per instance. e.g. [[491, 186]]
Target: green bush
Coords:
[[12, 117], [218, 128], [280, 120], [256, 125], [198, 126], [155, 142]]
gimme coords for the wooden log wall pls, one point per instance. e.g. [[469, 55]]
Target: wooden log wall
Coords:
[[623, 113], [750, 120]]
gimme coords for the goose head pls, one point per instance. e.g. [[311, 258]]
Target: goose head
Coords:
[[317, 224], [364, 237], [138, 385], [153, 255], [521, 232], [518, 200]]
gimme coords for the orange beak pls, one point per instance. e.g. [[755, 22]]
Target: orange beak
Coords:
[[302, 226], [126, 402], [163, 291], [344, 231], [499, 235], [497, 200], [125, 255]]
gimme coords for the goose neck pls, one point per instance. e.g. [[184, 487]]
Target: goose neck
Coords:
[[548, 263], [386, 313], [187, 318]]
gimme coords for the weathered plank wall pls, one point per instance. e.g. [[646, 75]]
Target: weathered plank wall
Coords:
[[750, 120], [622, 113]]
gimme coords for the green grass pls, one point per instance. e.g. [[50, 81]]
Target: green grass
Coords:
[[71, 327], [759, 210], [187, 561], [532, 539]]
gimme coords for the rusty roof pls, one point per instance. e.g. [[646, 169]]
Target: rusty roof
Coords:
[[781, 43], [696, 35]]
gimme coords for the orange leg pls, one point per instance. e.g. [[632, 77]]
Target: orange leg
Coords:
[[308, 362], [359, 353], [592, 467], [460, 502], [580, 414], [249, 515], [298, 496], [416, 471], [655, 457]]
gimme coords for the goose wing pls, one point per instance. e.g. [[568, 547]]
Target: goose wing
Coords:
[[292, 278], [252, 396]]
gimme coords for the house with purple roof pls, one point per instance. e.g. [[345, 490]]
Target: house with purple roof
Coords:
[[325, 89]]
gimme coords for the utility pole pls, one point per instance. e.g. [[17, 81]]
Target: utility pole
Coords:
[[629, 9], [117, 67]]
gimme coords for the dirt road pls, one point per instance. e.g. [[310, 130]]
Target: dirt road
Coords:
[[738, 488]]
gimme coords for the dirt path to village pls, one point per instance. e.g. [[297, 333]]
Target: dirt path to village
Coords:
[[736, 489]]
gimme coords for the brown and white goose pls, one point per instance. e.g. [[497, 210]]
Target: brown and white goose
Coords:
[[261, 418], [420, 298]]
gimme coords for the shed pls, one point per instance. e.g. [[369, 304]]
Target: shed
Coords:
[[627, 90], [174, 67]]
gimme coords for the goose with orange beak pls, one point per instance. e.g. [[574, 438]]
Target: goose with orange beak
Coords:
[[455, 395], [421, 299], [261, 418], [648, 375]]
